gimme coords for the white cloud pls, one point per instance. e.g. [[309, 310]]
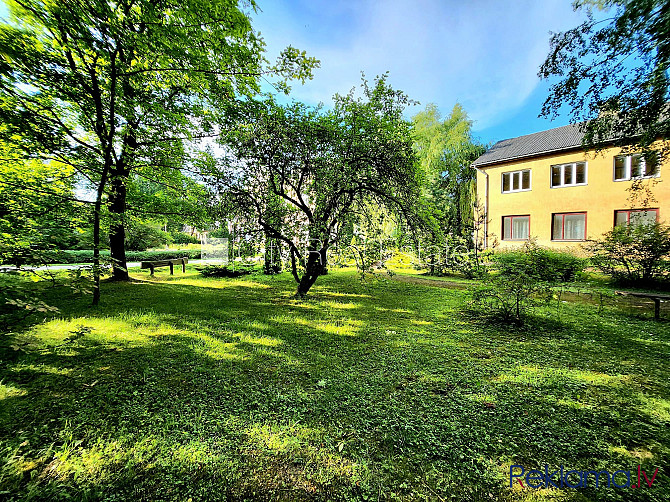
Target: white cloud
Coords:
[[484, 54]]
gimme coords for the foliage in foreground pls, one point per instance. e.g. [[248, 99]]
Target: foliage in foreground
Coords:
[[183, 387], [612, 73]]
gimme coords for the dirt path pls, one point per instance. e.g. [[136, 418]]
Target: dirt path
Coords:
[[437, 283]]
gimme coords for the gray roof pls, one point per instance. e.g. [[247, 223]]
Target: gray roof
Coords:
[[567, 137]]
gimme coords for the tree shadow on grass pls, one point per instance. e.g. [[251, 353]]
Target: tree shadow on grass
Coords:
[[179, 391]]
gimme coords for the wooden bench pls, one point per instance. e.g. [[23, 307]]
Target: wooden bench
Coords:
[[165, 263], [657, 297]]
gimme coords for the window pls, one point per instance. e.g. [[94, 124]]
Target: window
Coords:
[[635, 216], [516, 181], [628, 167], [568, 227], [516, 228], [565, 175]]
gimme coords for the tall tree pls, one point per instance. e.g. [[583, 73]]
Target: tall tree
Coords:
[[107, 87], [613, 73], [321, 165], [446, 149]]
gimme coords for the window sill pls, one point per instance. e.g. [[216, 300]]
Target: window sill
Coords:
[[568, 186], [638, 178], [517, 191]]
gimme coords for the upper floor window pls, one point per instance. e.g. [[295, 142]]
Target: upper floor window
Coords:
[[628, 167], [566, 175], [516, 228], [635, 217], [516, 181]]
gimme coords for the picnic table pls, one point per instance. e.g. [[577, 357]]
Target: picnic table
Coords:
[[165, 263], [657, 297]]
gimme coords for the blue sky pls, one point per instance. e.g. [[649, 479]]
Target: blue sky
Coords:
[[483, 54]]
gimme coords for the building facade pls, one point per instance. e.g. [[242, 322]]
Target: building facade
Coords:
[[545, 187]]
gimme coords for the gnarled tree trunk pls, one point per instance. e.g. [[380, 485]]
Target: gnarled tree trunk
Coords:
[[316, 265]]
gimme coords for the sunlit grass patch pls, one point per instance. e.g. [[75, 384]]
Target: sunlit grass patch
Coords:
[[657, 408], [537, 375], [7, 391], [340, 327], [637, 454]]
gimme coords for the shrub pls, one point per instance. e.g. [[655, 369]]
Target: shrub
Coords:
[[543, 264], [522, 279], [142, 236], [184, 238], [226, 271], [634, 254], [508, 298]]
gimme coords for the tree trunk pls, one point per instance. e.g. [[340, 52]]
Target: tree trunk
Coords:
[[117, 231], [316, 266], [96, 251], [272, 263]]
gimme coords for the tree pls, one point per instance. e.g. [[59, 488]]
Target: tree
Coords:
[[321, 165], [446, 149], [112, 87], [614, 74]]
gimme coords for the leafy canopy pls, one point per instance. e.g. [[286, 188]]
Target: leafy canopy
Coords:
[[614, 73], [316, 167]]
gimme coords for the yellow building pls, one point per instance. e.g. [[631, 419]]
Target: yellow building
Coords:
[[545, 187]]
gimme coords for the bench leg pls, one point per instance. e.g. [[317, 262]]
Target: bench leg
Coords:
[[171, 268], [183, 267], [151, 267], [657, 308]]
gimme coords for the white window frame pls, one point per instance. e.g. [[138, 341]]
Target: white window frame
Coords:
[[628, 163], [520, 173], [573, 166]]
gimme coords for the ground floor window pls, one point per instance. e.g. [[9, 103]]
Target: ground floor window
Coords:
[[516, 228], [635, 216], [569, 227]]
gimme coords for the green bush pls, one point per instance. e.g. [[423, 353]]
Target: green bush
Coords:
[[183, 238], [523, 279], [634, 254], [227, 271], [509, 298], [540, 263], [141, 236]]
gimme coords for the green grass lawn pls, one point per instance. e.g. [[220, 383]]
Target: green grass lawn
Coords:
[[184, 388]]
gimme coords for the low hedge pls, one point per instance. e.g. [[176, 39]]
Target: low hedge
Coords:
[[543, 264], [86, 256]]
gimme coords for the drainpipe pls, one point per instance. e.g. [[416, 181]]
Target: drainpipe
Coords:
[[486, 207]]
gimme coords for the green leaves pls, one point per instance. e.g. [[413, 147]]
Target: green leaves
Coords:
[[613, 73], [299, 173]]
